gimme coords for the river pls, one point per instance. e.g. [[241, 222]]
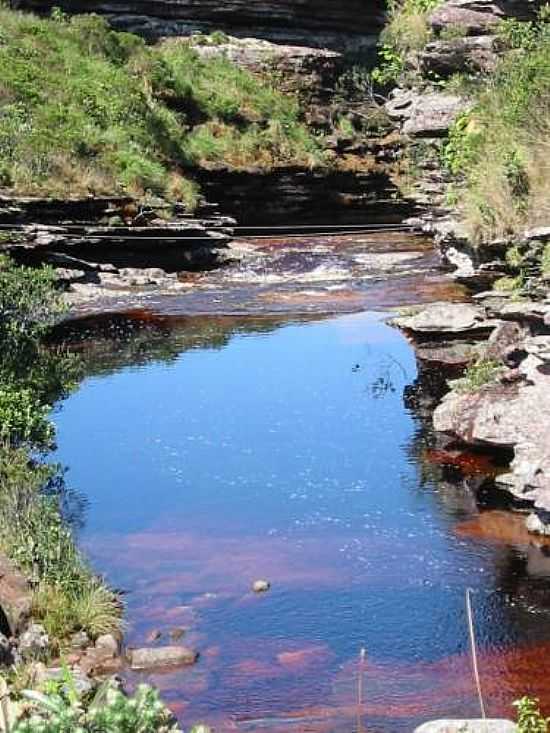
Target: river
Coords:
[[254, 428]]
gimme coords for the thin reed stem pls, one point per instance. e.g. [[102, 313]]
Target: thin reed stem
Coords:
[[473, 647]]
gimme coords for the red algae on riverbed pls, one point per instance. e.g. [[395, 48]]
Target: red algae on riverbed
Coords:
[[395, 692], [468, 462], [502, 527]]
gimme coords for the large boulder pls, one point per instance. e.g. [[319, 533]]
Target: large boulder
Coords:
[[425, 115], [446, 319], [472, 54], [15, 598], [508, 415], [299, 66], [479, 17]]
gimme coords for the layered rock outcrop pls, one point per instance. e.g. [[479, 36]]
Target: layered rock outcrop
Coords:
[[99, 247], [322, 23], [504, 402]]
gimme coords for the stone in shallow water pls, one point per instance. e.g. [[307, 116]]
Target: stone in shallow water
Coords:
[[164, 656], [468, 726], [261, 586]]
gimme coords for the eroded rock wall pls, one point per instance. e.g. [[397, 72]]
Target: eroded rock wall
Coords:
[[330, 23]]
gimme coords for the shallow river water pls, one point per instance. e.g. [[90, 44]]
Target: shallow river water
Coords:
[[214, 451]]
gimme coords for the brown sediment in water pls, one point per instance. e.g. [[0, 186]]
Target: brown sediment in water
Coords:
[[468, 462], [501, 527]]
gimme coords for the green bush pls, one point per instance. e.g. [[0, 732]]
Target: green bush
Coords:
[[31, 376], [62, 710], [23, 418], [29, 304]]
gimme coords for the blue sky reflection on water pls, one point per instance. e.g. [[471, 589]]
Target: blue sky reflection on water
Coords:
[[290, 455]]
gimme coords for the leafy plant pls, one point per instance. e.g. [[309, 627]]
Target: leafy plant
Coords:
[[61, 710], [530, 719], [477, 375]]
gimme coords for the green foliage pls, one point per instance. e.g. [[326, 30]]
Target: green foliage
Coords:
[[530, 719], [545, 260], [35, 534], [62, 710], [500, 147], [460, 146], [406, 32], [515, 34], [507, 284], [85, 109], [31, 377], [28, 302], [477, 375], [23, 418]]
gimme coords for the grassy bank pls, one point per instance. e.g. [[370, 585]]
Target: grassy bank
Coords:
[[38, 516], [499, 151], [36, 521], [84, 109]]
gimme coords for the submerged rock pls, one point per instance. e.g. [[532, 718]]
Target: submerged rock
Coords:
[[164, 656]]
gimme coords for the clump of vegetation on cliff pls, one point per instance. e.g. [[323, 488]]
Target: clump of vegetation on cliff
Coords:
[[407, 31], [84, 109], [500, 149]]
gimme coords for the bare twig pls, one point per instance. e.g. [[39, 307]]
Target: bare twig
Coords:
[[362, 655], [477, 679]]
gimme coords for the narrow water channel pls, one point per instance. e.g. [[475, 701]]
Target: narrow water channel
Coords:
[[217, 450]]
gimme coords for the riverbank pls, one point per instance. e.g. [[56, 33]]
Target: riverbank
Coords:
[[465, 80]]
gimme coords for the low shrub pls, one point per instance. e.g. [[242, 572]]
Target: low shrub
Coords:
[[477, 375], [61, 709]]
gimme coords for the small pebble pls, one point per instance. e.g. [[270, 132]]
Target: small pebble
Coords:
[[261, 586]]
